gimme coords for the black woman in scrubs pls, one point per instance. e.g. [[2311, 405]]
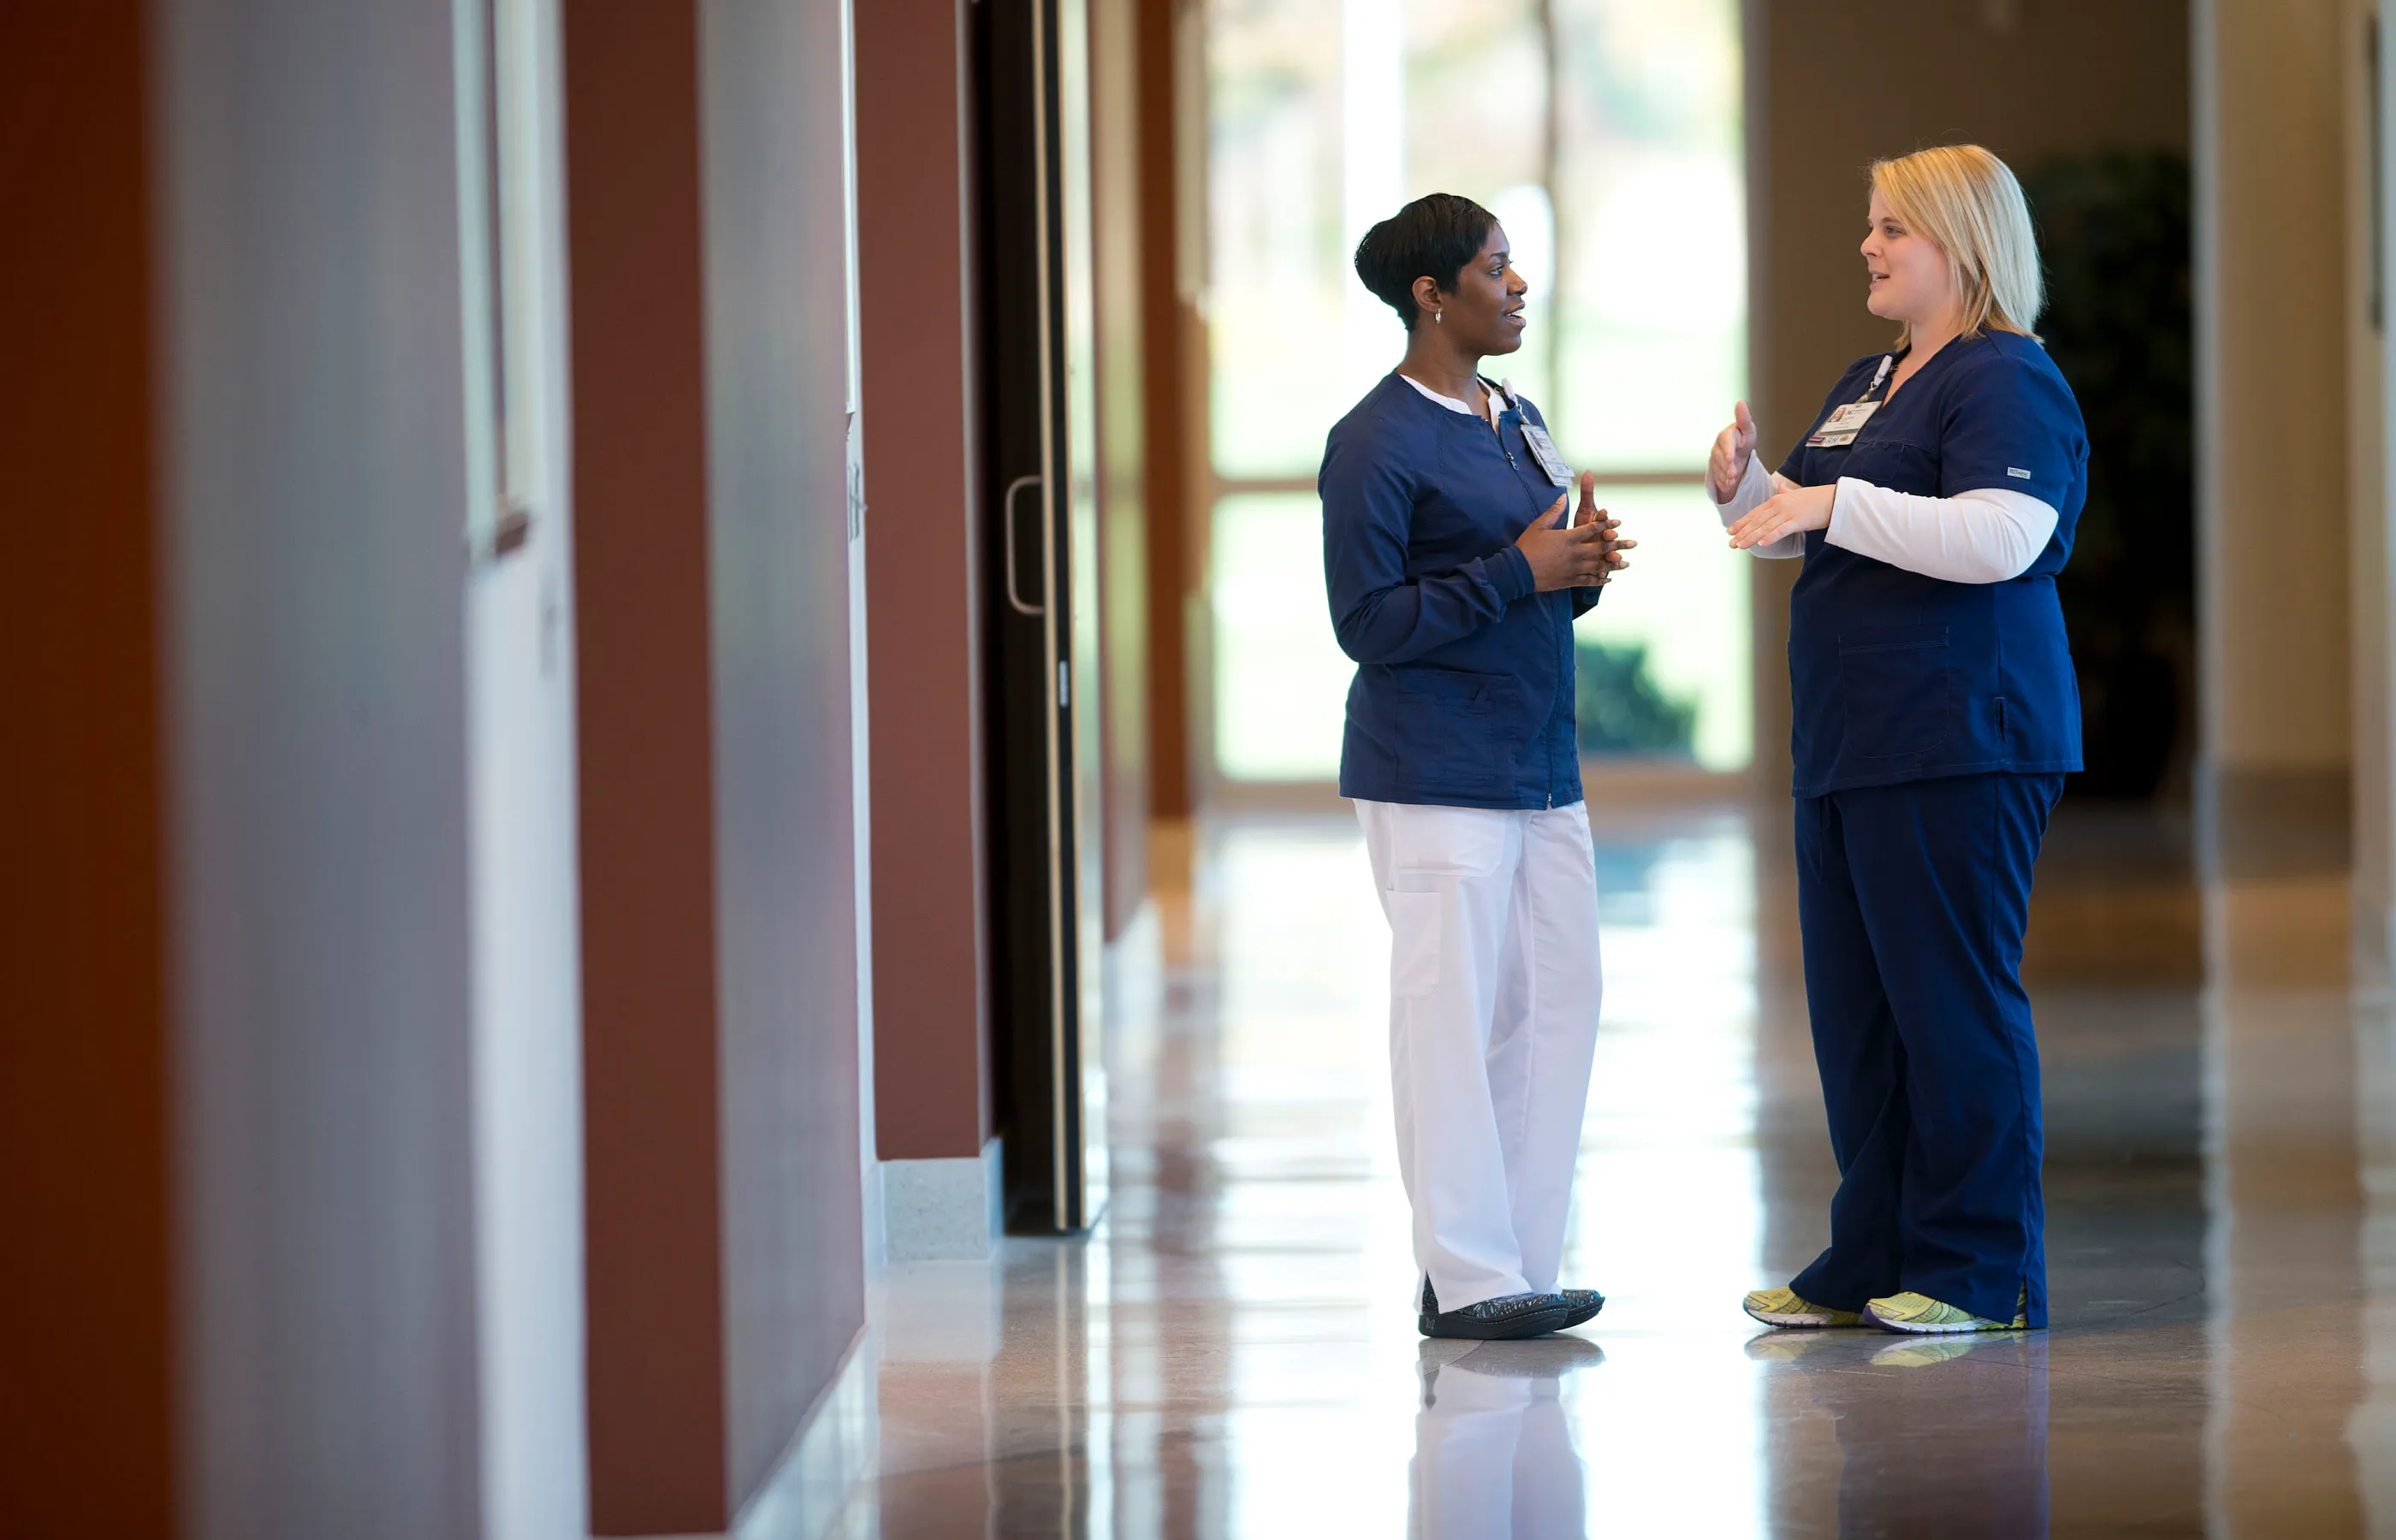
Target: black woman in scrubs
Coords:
[[1933, 502], [1454, 571]]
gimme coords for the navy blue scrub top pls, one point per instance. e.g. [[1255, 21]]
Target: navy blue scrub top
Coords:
[[1463, 694], [1895, 676]]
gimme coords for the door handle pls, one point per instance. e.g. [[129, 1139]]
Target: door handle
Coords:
[[1014, 598], [507, 535]]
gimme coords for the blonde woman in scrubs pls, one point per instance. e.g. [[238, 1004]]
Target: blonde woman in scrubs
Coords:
[[1935, 715]]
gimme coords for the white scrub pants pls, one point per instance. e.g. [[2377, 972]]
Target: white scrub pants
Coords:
[[1494, 986]]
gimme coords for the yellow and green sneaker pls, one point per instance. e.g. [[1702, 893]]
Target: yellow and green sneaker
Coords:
[[1781, 1308], [1913, 1312]]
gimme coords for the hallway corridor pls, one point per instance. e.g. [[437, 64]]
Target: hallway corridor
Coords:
[[674, 665], [1230, 1353]]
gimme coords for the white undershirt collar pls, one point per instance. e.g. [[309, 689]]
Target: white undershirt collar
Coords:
[[1505, 386]]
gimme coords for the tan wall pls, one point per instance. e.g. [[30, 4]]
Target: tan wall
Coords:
[[1835, 83], [1127, 520], [2273, 331], [2373, 643]]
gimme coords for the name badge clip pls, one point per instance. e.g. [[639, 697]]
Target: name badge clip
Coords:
[[1839, 428]]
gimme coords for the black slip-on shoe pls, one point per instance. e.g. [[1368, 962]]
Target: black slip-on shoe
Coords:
[[1506, 1317], [1585, 1303]]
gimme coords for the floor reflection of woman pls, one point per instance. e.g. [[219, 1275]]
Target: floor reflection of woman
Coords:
[[1454, 579], [1980, 1402], [1493, 1455], [1935, 714]]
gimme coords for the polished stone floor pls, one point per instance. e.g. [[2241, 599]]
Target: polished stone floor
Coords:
[[1231, 1352]]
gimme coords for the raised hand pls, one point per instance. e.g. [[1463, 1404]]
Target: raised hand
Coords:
[[1733, 446]]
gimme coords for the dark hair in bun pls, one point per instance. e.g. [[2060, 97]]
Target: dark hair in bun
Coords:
[[1433, 237]]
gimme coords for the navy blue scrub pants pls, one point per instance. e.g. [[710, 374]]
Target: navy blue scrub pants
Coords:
[[1912, 899]]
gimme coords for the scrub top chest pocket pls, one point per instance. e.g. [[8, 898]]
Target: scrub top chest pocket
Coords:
[[1894, 463]]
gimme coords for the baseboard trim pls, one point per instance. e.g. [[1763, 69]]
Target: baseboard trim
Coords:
[[943, 1210]]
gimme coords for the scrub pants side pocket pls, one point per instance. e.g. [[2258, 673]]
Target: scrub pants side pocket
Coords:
[[1416, 921]]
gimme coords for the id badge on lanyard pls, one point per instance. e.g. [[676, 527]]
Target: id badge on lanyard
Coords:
[[1542, 447], [1839, 428]]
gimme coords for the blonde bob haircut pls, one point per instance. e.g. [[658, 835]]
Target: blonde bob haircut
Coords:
[[1968, 204]]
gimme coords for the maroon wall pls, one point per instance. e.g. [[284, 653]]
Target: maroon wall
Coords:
[[652, 1118], [84, 1440], [709, 316], [931, 1006], [1174, 368]]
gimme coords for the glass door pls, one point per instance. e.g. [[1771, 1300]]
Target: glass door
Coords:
[[1045, 741]]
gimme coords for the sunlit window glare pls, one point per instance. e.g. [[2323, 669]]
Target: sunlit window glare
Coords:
[[1604, 135]]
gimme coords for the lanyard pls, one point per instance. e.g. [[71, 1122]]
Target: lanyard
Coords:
[[1498, 393], [1887, 362]]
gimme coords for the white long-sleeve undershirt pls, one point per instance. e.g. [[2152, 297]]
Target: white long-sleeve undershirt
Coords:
[[1985, 535]]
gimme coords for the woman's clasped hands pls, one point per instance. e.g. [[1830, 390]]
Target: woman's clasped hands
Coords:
[[1582, 554]]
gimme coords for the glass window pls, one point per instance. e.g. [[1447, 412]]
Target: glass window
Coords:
[[1277, 287], [1604, 135], [1280, 681], [1669, 642]]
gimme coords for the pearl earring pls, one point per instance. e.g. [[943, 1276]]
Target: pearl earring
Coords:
[[1438, 316]]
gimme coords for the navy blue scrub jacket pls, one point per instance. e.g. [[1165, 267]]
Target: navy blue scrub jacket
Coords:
[[1463, 694]]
